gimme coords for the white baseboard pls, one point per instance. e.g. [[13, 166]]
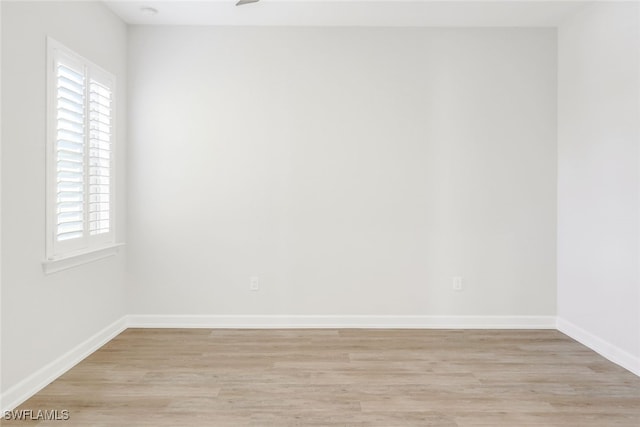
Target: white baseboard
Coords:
[[35, 382], [323, 321], [604, 348]]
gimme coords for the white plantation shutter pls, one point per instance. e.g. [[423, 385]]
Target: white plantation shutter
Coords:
[[80, 154], [70, 128], [99, 158]]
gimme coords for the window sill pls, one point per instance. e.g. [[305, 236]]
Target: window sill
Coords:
[[78, 258]]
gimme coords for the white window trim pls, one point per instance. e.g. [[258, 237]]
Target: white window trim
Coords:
[[75, 259], [91, 249]]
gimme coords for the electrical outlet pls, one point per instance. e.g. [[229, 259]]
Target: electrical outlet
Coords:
[[457, 284], [254, 283]]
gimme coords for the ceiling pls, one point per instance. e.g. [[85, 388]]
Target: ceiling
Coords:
[[394, 13]]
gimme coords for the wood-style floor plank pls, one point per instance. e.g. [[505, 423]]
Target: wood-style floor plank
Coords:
[[350, 377]]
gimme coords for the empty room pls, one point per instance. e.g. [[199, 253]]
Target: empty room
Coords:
[[320, 213]]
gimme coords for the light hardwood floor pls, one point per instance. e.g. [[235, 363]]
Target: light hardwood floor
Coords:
[[346, 377]]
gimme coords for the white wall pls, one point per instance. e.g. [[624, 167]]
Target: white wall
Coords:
[[43, 317], [1, 397], [354, 170], [599, 180]]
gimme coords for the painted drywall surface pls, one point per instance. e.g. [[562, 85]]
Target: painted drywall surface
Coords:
[[598, 173], [1, 399], [354, 171], [43, 317]]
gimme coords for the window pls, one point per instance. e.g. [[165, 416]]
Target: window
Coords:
[[80, 143]]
